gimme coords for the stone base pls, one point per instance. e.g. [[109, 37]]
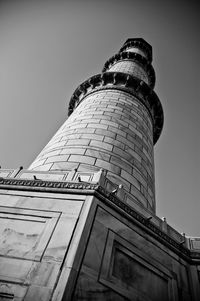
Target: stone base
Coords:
[[78, 241], [124, 262]]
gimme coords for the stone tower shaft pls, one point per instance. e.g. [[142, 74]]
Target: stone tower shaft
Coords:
[[115, 118]]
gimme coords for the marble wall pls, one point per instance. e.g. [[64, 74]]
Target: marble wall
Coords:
[[33, 242], [123, 262]]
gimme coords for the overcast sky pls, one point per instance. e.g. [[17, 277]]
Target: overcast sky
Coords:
[[47, 48]]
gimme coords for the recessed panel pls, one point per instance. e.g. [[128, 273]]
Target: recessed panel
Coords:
[[25, 233], [133, 274], [129, 272]]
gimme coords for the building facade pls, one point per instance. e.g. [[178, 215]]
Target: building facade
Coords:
[[80, 223]]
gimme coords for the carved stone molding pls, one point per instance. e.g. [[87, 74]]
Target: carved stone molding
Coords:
[[46, 184], [99, 191], [127, 83]]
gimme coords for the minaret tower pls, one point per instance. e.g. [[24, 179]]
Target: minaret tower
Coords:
[[115, 119], [80, 222]]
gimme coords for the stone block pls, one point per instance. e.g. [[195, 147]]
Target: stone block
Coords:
[[133, 129], [125, 141], [117, 131], [92, 137], [140, 178], [105, 109], [133, 140], [87, 167], [82, 159], [121, 163], [98, 126], [84, 116], [58, 158], [106, 133], [78, 126], [111, 123], [122, 153], [101, 145], [123, 123], [134, 154], [85, 130], [71, 136], [98, 154], [114, 142], [128, 177], [102, 116], [108, 166], [73, 150], [63, 166], [114, 115], [78, 142]]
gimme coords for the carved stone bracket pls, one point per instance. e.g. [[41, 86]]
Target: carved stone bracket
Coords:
[[127, 83]]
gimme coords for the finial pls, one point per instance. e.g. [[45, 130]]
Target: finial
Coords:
[[116, 189]]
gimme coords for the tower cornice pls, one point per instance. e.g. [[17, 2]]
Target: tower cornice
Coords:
[[127, 83], [138, 43]]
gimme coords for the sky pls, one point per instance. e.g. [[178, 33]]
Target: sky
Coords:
[[47, 48]]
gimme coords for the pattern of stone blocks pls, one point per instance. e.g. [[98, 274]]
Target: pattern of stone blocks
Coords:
[[110, 129], [130, 67]]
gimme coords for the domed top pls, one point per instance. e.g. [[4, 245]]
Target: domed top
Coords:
[[140, 44]]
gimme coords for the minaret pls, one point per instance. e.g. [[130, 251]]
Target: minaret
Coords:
[[80, 223], [114, 120]]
